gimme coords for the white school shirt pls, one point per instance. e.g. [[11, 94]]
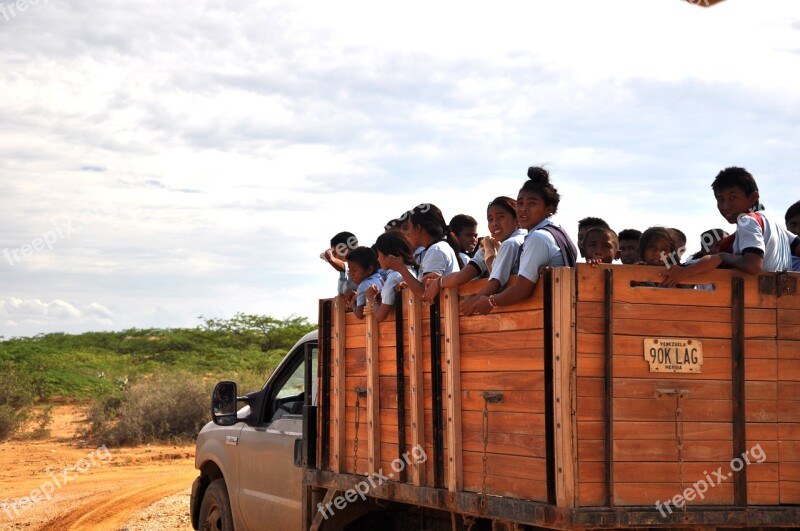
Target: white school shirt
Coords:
[[508, 257], [438, 258], [539, 249], [479, 262], [773, 243]]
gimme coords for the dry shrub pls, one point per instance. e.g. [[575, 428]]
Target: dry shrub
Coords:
[[167, 407]]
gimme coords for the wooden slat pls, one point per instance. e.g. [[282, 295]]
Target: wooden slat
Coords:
[[417, 399], [452, 396], [339, 341], [564, 386], [373, 396]]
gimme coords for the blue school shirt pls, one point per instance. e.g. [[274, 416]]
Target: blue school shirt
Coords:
[[539, 249], [361, 293], [393, 278], [508, 256]]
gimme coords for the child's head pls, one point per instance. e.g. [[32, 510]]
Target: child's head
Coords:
[[343, 243], [583, 227], [629, 246], [362, 262], [465, 231], [709, 242], [398, 224], [501, 215], [736, 192], [680, 237], [656, 244], [394, 243], [793, 218], [601, 244], [537, 199]]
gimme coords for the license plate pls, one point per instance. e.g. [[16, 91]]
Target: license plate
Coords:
[[668, 354]]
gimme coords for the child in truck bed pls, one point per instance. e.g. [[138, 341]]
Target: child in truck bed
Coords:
[[439, 256], [759, 244], [363, 265], [501, 216], [391, 243], [546, 244]]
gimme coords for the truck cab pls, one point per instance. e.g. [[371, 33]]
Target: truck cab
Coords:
[[250, 458]]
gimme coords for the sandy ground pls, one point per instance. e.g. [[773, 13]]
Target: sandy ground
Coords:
[[61, 483]]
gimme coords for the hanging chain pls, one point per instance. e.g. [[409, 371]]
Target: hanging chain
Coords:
[[359, 393], [679, 440], [488, 397]]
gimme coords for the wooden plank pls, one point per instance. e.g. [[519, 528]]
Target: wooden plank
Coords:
[[507, 466], [339, 341], [373, 396], [498, 322], [452, 388], [417, 400], [503, 422], [514, 401], [502, 360], [628, 494], [648, 450], [654, 409], [665, 431], [521, 444], [564, 386]]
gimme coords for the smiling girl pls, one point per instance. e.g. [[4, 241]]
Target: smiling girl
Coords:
[[545, 245]]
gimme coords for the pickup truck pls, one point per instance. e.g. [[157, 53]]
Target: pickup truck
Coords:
[[602, 402]]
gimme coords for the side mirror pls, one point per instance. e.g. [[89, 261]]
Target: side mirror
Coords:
[[223, 404]]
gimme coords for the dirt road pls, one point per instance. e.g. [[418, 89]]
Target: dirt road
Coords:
[[60, 483]]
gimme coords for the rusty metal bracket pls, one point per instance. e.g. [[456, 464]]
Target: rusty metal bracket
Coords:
[[780, 284], [679, 393]]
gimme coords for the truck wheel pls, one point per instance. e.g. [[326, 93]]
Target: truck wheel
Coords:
[[215, 511]]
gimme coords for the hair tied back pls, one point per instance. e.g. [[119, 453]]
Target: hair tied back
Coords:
[[538, 175]]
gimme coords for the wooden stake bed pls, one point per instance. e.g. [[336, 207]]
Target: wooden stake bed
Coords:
[[548, 412]]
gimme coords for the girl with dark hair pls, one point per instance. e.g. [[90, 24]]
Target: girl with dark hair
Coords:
[[427, 229], [391, 243], [546, 244], [501, 216]]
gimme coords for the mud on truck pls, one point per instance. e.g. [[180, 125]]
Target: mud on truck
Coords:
[[602, 402]]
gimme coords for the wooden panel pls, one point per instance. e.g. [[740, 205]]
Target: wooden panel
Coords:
[[338, 372], [564, 386], [452, 388], [416, 394], [373, 396]]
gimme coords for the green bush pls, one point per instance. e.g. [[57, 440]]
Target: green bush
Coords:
[[16, 398], [170, 406]]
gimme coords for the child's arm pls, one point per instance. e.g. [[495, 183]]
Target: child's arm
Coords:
[[450, 281], [751, 263], [335, 263], [674, 275], [516, 292], [380, 310], [396, 263]]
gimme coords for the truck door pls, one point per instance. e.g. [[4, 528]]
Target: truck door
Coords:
[[270, 486]]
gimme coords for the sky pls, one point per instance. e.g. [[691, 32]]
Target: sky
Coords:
[[162, 161]]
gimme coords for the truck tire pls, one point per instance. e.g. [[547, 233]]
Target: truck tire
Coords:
[[215, 511]]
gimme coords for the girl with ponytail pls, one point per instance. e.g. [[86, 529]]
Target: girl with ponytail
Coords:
[[546, 244], [427, 229]]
